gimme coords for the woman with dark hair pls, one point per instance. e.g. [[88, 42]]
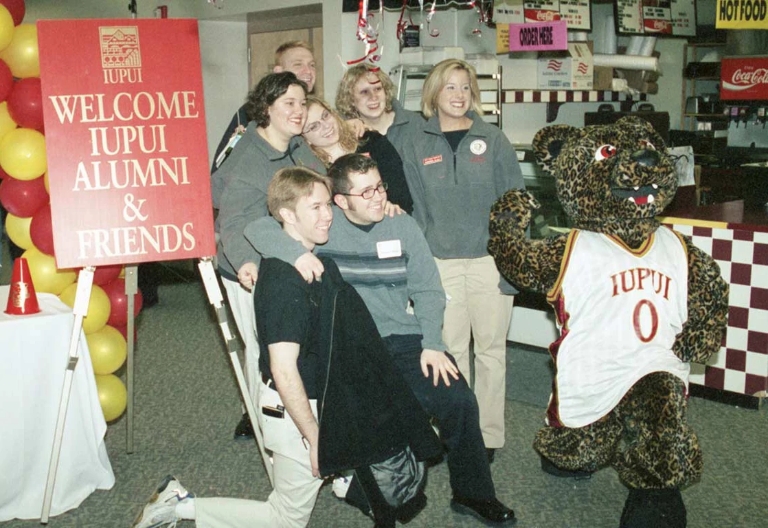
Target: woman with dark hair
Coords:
[[330, 137], [272, 140]]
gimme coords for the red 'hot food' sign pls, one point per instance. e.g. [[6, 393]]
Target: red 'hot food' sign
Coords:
[[744, 78]]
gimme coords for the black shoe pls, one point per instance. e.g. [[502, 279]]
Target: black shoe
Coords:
[[490, 452], [491, 512], [244, 429], [548, 467]]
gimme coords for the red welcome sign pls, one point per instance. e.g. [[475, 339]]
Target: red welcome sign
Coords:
[[126, 141]]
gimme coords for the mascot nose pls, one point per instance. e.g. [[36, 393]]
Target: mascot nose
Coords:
[[646, 157]]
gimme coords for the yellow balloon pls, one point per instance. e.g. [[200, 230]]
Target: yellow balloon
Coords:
[[6, 27], [108, 350], [18, 230], [6, 121], [113, 396], [45, 275], [98, 307], [22, 55], [22, 154]]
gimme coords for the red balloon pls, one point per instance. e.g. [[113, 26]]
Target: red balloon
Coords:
[[16, 8], [23, 197], [118, 316], [6, 81], [25, 104], [124, 330], [106, 274], [41, 230]]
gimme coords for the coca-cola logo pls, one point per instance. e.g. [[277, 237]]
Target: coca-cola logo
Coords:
[[546, 16], [751, 77]]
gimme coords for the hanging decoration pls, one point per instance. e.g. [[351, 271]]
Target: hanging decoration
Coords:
[[216, 3], [369, 34]]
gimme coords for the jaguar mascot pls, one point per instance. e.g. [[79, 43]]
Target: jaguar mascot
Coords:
[[635, 303]]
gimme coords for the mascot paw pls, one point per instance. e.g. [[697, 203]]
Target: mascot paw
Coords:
[[513, 210]]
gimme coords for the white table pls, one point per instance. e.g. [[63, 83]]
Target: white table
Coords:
[[34, 351]]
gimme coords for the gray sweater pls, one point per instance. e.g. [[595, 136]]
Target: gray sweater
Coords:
[[403, 293], [453, 192], [239, 190]]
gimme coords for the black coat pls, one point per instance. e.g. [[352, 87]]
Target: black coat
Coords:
[[367, 412]]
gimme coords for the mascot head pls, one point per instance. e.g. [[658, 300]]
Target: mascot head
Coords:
[[614, 179]]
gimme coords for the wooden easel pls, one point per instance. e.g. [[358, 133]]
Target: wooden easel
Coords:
[[80, 309]]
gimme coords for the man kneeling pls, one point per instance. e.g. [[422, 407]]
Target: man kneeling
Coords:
[[322, 345]]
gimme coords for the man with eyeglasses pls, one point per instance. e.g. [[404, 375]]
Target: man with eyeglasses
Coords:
[[387, 260]]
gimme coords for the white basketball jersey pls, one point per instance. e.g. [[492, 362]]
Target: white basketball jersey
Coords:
[[619, 311]]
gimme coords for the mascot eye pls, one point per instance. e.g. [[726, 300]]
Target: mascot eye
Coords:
[[604, 152], [648, 145]]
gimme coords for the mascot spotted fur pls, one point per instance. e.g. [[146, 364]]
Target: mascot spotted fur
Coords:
[[635, 303]]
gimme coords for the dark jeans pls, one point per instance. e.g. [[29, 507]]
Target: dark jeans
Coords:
[[458, 419]]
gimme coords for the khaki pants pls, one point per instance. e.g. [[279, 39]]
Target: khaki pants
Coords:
[[291, 502], [475, 307], [241, 304]]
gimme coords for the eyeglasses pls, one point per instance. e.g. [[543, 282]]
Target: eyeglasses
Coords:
[[367, 194], [315, 125]]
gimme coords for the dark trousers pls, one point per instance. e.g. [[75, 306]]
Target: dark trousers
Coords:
[[458, 419]]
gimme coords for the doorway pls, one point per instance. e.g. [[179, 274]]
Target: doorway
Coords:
[[269, 29]]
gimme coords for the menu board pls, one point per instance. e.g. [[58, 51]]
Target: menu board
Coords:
[[576, 13], [676, 18]]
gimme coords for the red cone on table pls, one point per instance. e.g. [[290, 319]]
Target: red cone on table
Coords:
[[22, 299]]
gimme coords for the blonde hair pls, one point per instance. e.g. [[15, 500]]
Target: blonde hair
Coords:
[[347, 138], [345, 96], [291, 44], [288, 185], [438, 78]]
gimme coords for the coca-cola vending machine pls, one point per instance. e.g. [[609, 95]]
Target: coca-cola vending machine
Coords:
[[744, 78]]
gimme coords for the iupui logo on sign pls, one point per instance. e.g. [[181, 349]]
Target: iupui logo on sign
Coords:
[[744, 78], [120, 54]]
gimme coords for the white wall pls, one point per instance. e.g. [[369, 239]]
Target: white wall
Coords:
[[224, 55]]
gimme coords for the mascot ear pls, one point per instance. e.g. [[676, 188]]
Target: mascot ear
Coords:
[[644, 128], [549, 141]]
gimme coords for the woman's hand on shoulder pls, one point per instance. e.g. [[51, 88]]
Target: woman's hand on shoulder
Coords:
[[392, 209], [357, 126]]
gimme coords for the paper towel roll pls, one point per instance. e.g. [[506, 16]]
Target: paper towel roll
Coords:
[[627, 62], [578, 36], [649, 43], [609, 35], [635, 45]]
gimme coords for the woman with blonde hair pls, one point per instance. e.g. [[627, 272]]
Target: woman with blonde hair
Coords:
[[456, 168], [367, 93], [330, 137]]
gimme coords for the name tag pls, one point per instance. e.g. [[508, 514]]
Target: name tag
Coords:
[[433, 159], [389, 249]]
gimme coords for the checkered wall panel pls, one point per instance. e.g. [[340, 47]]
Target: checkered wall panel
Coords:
[[741, 364]]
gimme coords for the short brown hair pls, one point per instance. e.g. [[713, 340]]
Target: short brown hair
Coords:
[[288, 185], [438, 78], [270, 88], [345, 99], [345, 165]]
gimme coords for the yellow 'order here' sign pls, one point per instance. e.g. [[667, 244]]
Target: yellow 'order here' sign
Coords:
[[742, 14]]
